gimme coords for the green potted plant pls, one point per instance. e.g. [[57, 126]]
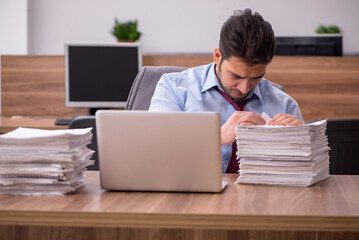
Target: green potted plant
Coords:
[[126, 31], [328, 29]]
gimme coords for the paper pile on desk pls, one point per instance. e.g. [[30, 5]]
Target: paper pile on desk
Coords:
[[280, 155], [44, 162]]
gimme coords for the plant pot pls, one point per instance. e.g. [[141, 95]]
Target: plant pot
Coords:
[[125, 40]]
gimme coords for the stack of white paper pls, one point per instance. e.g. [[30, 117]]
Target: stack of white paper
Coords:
[[283, 155], [44, 162]]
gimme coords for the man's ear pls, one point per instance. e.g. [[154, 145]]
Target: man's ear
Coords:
[[217, 56]]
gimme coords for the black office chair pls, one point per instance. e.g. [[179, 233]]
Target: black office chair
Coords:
[[85, 122], [343, 138]]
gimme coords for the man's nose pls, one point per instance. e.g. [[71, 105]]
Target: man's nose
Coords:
[[244, 86]]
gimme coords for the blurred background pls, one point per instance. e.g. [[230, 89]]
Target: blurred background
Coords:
[[42, 27]]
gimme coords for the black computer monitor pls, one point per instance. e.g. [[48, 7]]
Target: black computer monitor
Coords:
[[100, 75], [315, 45]]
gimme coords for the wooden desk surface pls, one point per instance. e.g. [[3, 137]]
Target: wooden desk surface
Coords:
[[8, 124], [331, 205]]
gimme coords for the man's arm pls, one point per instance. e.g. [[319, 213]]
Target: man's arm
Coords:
[[164, 98]]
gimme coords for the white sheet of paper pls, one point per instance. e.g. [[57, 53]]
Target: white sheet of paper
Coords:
[[266, 117]]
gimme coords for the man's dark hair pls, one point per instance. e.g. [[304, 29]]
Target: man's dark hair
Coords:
[[247, 36]]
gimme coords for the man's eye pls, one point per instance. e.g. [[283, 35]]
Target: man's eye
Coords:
[[234, 76]]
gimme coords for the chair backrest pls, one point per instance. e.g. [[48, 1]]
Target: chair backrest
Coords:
[[343, 138], [144, 86], [85, 122]]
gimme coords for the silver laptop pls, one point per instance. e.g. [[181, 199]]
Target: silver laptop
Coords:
[[159, 151]]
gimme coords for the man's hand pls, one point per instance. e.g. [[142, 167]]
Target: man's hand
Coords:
[[282, 119], [228, 130]]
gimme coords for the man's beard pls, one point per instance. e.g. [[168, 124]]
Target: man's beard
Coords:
[[228, 91]]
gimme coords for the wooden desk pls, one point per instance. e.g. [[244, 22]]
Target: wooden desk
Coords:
[[327, 210], [8, 124]]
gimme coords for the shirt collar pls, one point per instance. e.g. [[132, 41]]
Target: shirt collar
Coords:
[[212, 81]]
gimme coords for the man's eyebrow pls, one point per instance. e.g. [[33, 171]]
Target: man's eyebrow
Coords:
[[261, 75], [238, 76]]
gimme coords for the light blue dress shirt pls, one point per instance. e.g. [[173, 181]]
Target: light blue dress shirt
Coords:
[[193, 90]]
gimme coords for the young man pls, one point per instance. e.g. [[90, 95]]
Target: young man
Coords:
[[233, 84]]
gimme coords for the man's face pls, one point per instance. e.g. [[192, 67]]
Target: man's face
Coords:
[[236, 77]]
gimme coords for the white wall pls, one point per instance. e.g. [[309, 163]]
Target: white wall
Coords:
[[13, 27], [179, 26]]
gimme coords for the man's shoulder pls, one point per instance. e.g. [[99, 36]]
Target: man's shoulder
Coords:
[[188, 75], [190, 72], [271, 90], [266, 85]]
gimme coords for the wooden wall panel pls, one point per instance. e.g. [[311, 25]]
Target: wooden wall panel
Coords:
[[34, 86], [324, 87], [177, 60]]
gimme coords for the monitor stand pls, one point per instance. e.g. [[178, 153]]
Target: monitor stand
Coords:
[[63, 121], [66, 121], [92, 111]]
